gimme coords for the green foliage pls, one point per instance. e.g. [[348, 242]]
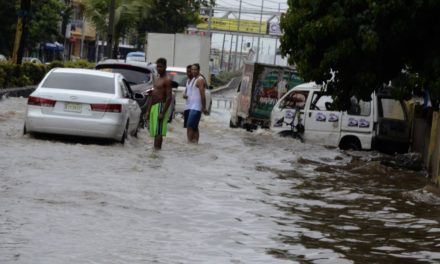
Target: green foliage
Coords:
[[172, 16], [42, 26], [84, 64], [34, 71], [45, 16], [364, 45], [8, 20], [223, 78], [55, 64], [27, 73], [13, 75]]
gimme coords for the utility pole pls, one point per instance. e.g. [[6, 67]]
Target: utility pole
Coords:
[[276, 40], [241, 52], [210, 45], [111, 29], [236, 42], [20, 34], [83, 29], [230, 53], [223, 50], [259, 31]]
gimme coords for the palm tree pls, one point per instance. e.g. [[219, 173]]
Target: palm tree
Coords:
[[127, 14]]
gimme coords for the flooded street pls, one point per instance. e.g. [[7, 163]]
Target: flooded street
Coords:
[[237, 197]]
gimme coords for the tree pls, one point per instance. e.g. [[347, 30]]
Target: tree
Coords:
[[135, 17], [363, 45], [128, 13], [8, 21], [45, 16], [43, 24], [171, 16]]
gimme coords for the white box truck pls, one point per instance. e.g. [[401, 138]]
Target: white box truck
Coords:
[[179, 50]]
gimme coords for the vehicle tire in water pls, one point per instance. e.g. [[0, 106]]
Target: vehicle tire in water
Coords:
[[124, 135], [350, 144], [231, 124]]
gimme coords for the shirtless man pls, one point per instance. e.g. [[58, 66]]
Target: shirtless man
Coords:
[[157, 110]]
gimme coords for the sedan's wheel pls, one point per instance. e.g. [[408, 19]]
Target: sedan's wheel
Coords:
[[124, 135], [24, 130], [135, 134]]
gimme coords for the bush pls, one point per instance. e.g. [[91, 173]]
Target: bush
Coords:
[[55, 64], [34, 71], [12, 75], [223, 78], [84, 64]]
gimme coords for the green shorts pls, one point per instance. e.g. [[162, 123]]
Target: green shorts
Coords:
[[158, 128]]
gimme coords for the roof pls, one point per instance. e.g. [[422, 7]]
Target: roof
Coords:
[[85, 71], [309, 85], [136, 54], [177, 69], [140, 64]]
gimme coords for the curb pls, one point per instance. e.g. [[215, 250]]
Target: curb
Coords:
[[17, 92], [221, 88]]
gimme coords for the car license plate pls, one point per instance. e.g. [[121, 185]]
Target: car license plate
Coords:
[[72, 107]]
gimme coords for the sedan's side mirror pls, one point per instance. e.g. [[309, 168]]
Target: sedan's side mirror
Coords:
[[174, 84], [138, 96]]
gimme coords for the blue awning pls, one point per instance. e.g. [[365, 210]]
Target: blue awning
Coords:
[[54, 46]]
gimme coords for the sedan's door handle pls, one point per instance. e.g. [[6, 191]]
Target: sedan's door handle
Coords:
[[310, 114]]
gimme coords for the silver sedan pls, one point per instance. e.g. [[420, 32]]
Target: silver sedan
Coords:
[[83, 102]]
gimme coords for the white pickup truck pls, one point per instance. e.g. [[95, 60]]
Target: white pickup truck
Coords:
[[381, 123]]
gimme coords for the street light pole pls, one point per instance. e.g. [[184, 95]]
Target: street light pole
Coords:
[[259, 31], [236, 41], [111, 29]]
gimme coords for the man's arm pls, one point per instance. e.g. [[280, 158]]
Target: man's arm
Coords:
[[168, 91], [147, 113], [185, 96], [201, 85]]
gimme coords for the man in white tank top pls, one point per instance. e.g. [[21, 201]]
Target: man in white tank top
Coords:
[[189, 84], [197, 104]]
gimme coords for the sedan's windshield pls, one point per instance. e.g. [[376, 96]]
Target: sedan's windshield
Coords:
[[179, 77], [133, 76], [79, 81]]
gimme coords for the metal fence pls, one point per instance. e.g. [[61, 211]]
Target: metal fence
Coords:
[[221, 103]]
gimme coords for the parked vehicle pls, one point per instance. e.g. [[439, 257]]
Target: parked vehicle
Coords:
[[381, 123], [136, 56], [2, 57], [260, 88], [83, 102], [140, 76], [178, 74], [33, 60]]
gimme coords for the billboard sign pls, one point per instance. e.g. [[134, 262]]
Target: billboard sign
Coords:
[[247, 26], [274, 29]]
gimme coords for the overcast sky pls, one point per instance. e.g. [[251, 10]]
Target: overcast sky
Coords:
[[267, 46]]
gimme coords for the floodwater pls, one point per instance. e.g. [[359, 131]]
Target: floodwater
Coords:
[[237, 197]]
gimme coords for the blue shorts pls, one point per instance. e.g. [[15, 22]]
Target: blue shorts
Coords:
[[194, 119]]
